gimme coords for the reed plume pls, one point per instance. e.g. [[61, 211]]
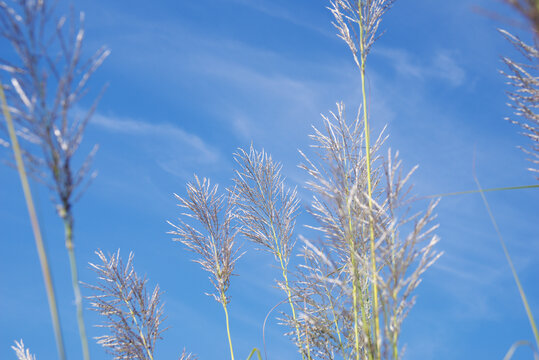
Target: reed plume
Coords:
[[267, 210], [522, 77], [22, 352], [133, 315], [357, 283], [336, 279], [214, 242]]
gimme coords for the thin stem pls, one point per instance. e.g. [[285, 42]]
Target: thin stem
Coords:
[[223, 299], [484, 190], [287, 287], [355, 288], [255, 350], [68, 226], [510, 261], [369, 185], [42, 254], [133, 316], [335, 320], [289, 293]]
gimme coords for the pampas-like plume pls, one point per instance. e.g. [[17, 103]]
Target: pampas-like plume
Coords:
[[524, 94], [266, 208], [215, 245], [339, 182], [335, 281], [22, 352], [134, 316], [267, 211], [215, 242]]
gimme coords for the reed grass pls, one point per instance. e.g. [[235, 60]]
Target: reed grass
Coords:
[[266, 211], [523, 99], [50, 59], [40, 246], [351, 293], [133, 315], [214, 242]]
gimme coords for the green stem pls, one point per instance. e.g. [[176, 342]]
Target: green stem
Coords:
[[223, 299], [369, 187], [133, 316], [42, 254], [287, 289], [484, 190], [335, 320], [68, 226], [355, 289], [510, 261], [255, 350]]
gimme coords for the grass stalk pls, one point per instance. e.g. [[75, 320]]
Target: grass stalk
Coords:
[[288, 291], [42, 254], [510, 261], [522, 187], [355, 288], [285, 278], [224, 301], [369, 185], [335, 322], [68, 228], [223, 298], [255, 350], [141, 334]]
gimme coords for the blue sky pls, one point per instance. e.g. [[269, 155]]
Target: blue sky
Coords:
[[191, 81]]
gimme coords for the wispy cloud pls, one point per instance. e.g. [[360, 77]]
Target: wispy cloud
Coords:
[[270, 8], [174, 150], [441, 65]]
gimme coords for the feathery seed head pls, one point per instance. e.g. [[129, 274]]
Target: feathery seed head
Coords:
[[266, 209], [22, 352], [134, 316], [214, 242]]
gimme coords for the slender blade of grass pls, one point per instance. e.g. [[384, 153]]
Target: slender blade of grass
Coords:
[[43, 259], [483, 190], [510, 261], [255, 350]]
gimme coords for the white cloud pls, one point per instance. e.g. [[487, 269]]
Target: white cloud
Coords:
[[445, 67], [174, 150], [441, 65], [271, 9]]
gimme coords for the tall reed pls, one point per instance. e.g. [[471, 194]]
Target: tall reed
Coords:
[[214, 242], [349, 298], [267, 210], [42, 253], [366, 15], [336, 280], [47, 82]]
